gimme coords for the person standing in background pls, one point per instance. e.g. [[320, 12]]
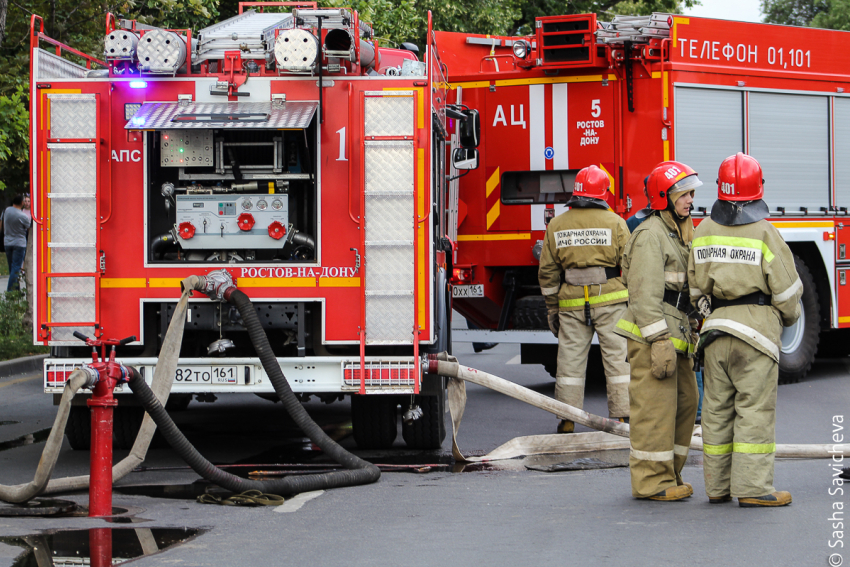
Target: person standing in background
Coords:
[[579, 276], [15, 222]]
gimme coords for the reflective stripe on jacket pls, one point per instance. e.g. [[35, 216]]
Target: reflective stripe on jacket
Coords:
[[655, 259], [582, 238], [733, 261]]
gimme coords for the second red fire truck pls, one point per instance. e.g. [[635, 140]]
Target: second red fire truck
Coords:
[[624, 96]]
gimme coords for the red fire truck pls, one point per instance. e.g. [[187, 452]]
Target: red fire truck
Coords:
[[285, 147], [626, 95]]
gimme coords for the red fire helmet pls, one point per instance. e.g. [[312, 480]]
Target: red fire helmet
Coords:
[[740, 179], [592, 183], [669, 178]]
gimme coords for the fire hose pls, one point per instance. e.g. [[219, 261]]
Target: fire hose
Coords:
[[446, 365], [357, 470], [161, 385]]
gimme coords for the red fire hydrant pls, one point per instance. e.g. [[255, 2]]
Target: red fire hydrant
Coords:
[[107, 373]]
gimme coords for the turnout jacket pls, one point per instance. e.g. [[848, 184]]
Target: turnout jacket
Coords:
[[656, 260], [729, 262], [582, 238]]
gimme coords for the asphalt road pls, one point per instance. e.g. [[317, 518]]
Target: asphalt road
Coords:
[[491, 515]]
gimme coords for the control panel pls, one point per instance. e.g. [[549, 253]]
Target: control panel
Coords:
[[186, 148], [232, 221]]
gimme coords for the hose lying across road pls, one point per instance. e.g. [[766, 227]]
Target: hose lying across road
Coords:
[[358, 471], [446, 365], [163, 378]]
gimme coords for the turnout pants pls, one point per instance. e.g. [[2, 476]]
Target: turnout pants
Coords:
[[573, 347], [662, 422], [738, 419]]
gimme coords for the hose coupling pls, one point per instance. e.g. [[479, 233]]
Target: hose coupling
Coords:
[[92, 376], [432, 363], [216, 285], [412, 414]]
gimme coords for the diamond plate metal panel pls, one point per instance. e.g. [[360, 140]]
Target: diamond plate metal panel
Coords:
[[73, 260], [296, 50], [120, 44], [73, 116], [389, 217], [389, 268], [73, 168], [74, 222], [72, 309], [389, 116], [389, 167], [161, 51], [72, 285], [66, 335], [51, 66], [389, 320], [159, 115]]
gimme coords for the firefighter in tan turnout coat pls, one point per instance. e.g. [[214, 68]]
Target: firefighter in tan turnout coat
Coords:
[[742, 271], [663, 390], [580, 279]]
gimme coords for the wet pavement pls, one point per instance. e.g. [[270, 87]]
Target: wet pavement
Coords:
[[426, 508]]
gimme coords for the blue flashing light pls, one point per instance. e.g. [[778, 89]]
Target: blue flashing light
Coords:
[[138, 121], [138, 84]]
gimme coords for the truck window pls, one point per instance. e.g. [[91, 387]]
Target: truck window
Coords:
[[530, 187]]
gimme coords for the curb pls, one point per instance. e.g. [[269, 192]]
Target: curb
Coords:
[[22, 365]]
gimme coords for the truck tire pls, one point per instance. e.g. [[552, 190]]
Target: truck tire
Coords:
[[530, 313], [429, 431], [374, 420], [800, 341], [126, 422], [78, 428]]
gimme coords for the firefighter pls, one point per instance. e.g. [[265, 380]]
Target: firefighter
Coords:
[[661, 339], [743, 274], [580, 278]]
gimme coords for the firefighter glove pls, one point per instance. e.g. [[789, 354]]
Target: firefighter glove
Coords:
[[662, 358], [704, 306], [554, 321]]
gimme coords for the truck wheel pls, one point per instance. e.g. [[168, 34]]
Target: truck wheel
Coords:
[[428, 431], [530, 313], [374, 420], [126, 422], [78, 428], [800, 340]]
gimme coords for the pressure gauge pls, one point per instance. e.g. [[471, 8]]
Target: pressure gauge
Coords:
[[246, 204], [262, 205], [277, 204]]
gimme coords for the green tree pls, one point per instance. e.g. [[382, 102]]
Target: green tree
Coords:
[[792, 12]]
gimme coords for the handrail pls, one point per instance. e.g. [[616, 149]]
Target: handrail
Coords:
[[313, 5], [35, 37], [110, 19]]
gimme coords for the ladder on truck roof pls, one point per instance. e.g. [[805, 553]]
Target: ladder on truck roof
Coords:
[[252, 33], [637, 29]]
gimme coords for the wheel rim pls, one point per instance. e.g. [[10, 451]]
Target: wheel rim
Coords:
[[792, 337]]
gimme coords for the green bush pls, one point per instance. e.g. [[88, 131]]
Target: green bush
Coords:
[[15, 338]]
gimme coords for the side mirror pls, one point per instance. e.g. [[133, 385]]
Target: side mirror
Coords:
[[470, 129], [465, 158]]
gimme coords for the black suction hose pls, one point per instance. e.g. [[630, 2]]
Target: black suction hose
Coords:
[[359, 471], [160, 243]]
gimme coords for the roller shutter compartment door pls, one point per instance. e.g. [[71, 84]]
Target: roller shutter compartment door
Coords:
[[709, 128], [789, 136], [842, 151]]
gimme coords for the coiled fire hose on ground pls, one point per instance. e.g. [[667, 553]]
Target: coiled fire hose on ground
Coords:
[[161, 385], [357, 470], [447, 365]]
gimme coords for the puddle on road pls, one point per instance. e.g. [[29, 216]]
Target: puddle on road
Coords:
[[96, 546], [39, 436]]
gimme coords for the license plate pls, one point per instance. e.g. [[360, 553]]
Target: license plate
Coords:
[[206, 374], [464, 291]]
